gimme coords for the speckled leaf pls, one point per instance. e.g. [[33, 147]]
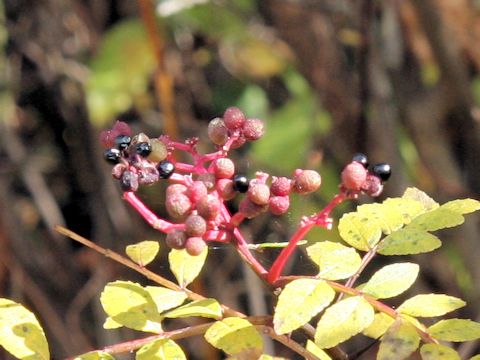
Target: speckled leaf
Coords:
[[95, 355], [161, 349], [391, 280], [379, 326], [299, 301], [437, 219], [315, 350], [407, 241], [438, 352], [20, 332], [408, 209], [426, 201], [430, 305], [143, 252], [208, 308], [358, 231], [462, 206], [457, 330], [164, 298], [386, 217], [400, 340], [343, 320], [186, 267], [335, 260]]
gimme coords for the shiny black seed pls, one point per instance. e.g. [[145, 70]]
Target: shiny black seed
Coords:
[[122, 141], [382, 170], [112, 156], [129, 181], [240, 183], [143, 149], [361, 158], [165, 169]]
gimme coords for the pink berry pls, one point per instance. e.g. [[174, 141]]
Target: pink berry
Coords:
[[122, 128], [233, 118], [353, 176], [208, 180], [278, 205], [225, 189], [253, 129], [176, 239], [208, 207], [307, 181], [250, 209], [258, 193], [217, 131], [176, 189], [372, 186], [107, 138], [178, 205], [240, 141], [195, 225], [223, 168], [195, 245], [196, 191], [281, 186]]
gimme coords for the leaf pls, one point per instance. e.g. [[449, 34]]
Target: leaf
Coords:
[[455, 330], [358, 231], [130, 305], [400, 340], [476, 357], [414, 194], [462, 206], [161, 349], [335, 260], [386, 217], [143, 252], [208, 308], [438, 352], [164, 298], [379, 326], [186, 267], [264, 357], [429, 305], [235, 336], [408, 209], [110, 324], [299, 301], [408, 241], [315, 350], [437, 219], [391, 280], [343, 320], [20, 332], [95, 355]]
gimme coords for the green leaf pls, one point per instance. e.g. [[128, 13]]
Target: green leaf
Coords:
[[455, 330], [335, 260], [408, 209], [209, 308], [426, 201], [299, 301], [164, 298], [343, 320], [130, 305], [161, 349], [391, 280], [358, 231], [95, 355], [408, 240], [429, 305], [143, 252], [386, 217], [235, 336], [186, 267], [400, 340], [462, 206], [315, 350], [20, 332], [437, 219], [438, 352], [379, 326]]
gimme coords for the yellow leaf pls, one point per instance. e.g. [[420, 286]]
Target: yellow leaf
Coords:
[[95, 355], [429, 305], [400, 340], [161, 349], [144, 252], [407, 241], [408, 209], [386, 217], [379, 326], [391, 280], [209, 308], [438, 352], [358, 232], [315, 350], [455, 330], [426, 201], [164, 298], [186, 267]]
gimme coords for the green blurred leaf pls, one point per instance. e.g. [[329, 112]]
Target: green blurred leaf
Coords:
[[208, 308], [143, 252], [438, 352], [161, 349], [457, 330], [164, 298], [391, 280], [186, 267], [399, 342], [95, 355], [429, 305], [407, 241]]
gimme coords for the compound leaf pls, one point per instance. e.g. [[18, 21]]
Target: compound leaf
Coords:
[[358, 231], [343, 320], [186, 267], [299, 301], [455, 330], [95, 355], [400, 340], [315, 350], [386, 217], [408, 241], [161, 349], [164, 298], [130, 305], [391, 280], [20, 332], [235, 336], [143, 252], [438, 352], [462, 206], [335, 260], [208, 308], [379, 326], [429, 305]]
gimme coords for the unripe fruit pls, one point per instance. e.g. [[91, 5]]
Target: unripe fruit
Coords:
[[307, 181], [117, 171], [165, 169], [129, 181], [253, 129], [372, 185], [196, 191], [148, 175], [112, 156], [208, 207], [353, 176], [382, 170], [233, 118], [195, 225], [258, 193], [240, 183], [217, 131], [281, 186], [178, 205], [250, 209], [278, 205], [223, 168], [225, 189], [122, 128], [159, 151], [176, 239], [195, 245], [208, 179], [175, 189]]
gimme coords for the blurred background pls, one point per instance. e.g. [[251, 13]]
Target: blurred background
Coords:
[[397, 80]]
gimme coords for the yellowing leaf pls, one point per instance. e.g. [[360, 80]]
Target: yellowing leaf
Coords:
[[429, 305], [20, 332], [235, 336], [299, 301], [408, 209], [186, 267], [335, 260], [379, 326], [143, 252], [111, 324], [130, 305], [400, 340], [209, 308], [95, 355], [455, 330], [161, 349], [437, 219], [476, 357], [386, 217], [462, 206], [315, 350], [408, 240], [358, 231], [164, 298], [391, 280], [438, 352], [343, 320], [426, 201]]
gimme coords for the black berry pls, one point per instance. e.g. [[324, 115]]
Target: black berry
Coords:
[[143, 149], [123, 142], [165, 169], [240, 183], [361, 158], [112, 156], [382, 170]]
